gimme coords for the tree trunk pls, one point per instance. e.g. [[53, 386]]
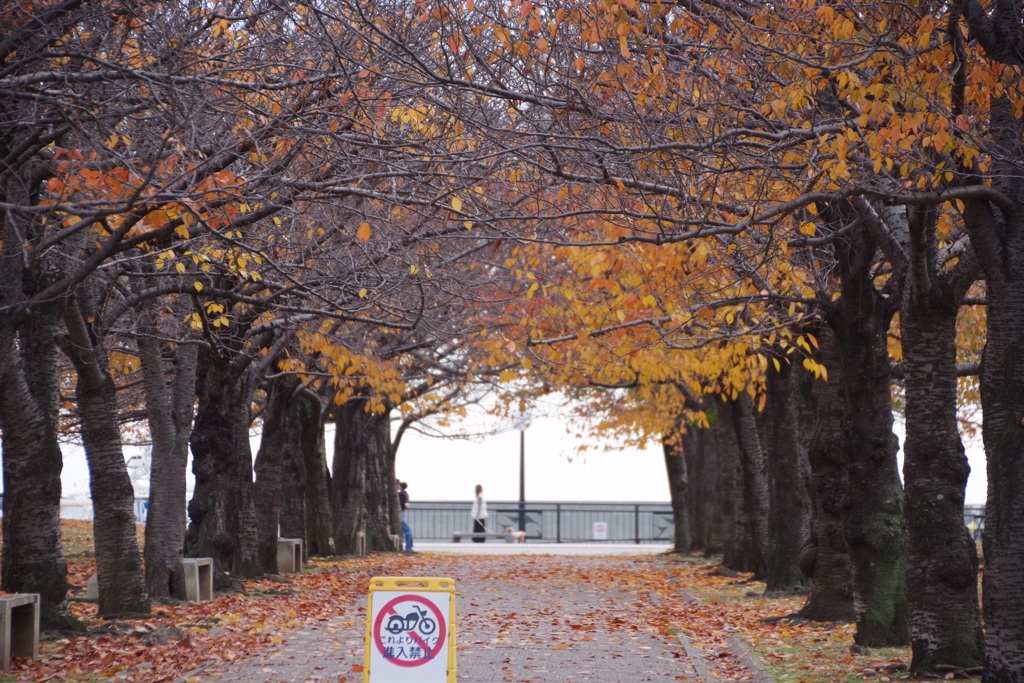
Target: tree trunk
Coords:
[[281, 432], [672, 446], [755, 481], [33, 557], [788, 509], [391, 478], [292, 517], [223, 515], [873, 511], [122, 583], [825, 557], [360, 488], [169, 408], [317, 493], [702, 467], [1002, 399], [942, 562], [739, 551]]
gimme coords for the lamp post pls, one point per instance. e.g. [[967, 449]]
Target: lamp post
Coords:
[[522, 422]]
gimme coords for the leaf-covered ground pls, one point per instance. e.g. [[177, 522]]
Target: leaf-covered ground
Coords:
[[181, 638]]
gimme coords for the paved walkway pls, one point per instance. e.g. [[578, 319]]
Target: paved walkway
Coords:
[[522, 618]]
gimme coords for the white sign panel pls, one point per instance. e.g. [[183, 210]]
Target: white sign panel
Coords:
[[408, 639], [600, 531]]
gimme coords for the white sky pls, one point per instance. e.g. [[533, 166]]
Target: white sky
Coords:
[[444, 469]]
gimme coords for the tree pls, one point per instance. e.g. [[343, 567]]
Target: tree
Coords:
[[122, 585]]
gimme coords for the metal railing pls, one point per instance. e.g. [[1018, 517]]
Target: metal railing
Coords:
[[549, 522], [552, 522]]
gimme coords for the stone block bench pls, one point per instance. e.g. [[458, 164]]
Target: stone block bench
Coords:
[[289, 555], [193, 581], [459, 535], [19, 627]]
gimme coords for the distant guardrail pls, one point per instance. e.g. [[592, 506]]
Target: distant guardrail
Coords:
[[549, 522]]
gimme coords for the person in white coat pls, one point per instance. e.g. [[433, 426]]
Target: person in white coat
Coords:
[[479, 514]]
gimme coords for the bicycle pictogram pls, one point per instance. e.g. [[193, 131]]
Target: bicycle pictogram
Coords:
[[416, 620]]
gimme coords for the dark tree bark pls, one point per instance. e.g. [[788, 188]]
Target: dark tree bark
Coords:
[[390, 488], [673, 449], [317, 494], [33, 557], [739, 549], [942, 567], [361, 489], [1002, 398], [996, 228], [788, 508], [281, 430], [995, 222], [122, 583], [755, 481], [825, 556], [873, 511], [702, 467], [942, 570], [223, 525], [942, 563], [170, 399], [292, 517]]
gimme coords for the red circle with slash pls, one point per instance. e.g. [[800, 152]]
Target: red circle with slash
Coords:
[[390, 610]]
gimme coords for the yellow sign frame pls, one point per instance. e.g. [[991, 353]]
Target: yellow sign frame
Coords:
[[412, 585]]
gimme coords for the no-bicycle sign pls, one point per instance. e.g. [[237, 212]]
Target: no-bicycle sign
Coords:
[[410, 631]]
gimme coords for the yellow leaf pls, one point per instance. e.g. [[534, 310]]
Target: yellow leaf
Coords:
[[362, 293], [180, 267], [456, 203], [808, 228], [199, 286], [363, 233]]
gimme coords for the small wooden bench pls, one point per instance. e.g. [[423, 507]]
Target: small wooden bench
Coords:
[[459, 535], [289, 555], [19, 627]]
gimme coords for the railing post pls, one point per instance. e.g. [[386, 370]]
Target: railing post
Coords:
[[636, 523], [558, 522]]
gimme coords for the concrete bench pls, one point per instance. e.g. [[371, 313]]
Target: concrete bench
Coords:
[[289, 555], [459, 535], [193, 581], [19, 627]]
